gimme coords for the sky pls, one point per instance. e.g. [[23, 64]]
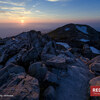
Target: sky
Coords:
[[49, 11]]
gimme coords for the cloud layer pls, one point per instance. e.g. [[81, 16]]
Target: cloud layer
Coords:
[[12, 3]]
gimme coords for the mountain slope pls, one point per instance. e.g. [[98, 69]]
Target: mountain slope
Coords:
[[78, 37], [75, 31]]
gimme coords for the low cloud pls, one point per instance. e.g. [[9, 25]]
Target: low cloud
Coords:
[[38, 11], [12, 8]]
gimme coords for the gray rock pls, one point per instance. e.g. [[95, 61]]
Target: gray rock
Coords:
[[10, 51], [38, 70], [21, 87], [49, 93], [15, 82], [74, 83], [59, 61]]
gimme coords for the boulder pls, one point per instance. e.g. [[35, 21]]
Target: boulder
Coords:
[[49, 93], [59, 61], [37, 70]]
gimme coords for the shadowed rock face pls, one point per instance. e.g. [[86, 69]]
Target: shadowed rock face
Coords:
[[35, 67], [77, 36]]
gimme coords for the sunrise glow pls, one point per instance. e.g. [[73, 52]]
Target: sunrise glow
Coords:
[[22, 21]]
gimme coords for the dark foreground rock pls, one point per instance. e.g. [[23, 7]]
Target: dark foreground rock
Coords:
[[38, 70]]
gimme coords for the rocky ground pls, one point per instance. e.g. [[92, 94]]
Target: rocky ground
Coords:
[[35, 67]]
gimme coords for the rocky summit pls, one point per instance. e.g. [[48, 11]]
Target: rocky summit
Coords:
[[38, 67], [82, 38]]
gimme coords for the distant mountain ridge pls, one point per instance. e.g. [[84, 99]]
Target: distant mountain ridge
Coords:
[[77, 29]]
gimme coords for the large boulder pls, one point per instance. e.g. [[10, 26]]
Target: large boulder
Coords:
[[38, 70], [59, 61], [74, 85]]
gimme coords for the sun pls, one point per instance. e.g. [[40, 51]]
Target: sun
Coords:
[[22, 21]]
